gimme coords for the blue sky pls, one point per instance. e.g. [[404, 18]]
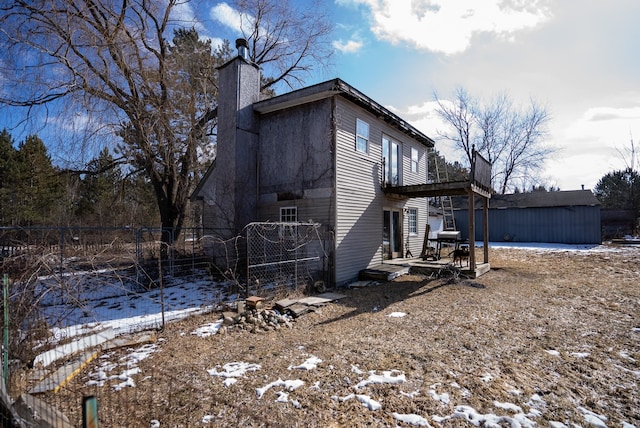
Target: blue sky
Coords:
[[575, 57], [578, 58]]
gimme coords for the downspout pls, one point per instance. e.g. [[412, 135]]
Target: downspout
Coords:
[[333, 226]]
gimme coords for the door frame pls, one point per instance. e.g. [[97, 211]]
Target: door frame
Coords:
[[392, 236]]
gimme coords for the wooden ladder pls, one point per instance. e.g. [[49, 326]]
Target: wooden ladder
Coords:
[[446, 204]]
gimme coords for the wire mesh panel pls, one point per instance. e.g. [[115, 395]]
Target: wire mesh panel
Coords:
[[282, 257]]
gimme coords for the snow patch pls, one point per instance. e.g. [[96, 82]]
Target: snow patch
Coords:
[[290, 385], [385, 377], [208, 329], [310, 364], [397, 315], [411, 419]]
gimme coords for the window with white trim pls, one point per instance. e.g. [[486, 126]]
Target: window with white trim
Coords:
[[414, 159], [412, 220], [362, 136], [392, 159], [289, 214]]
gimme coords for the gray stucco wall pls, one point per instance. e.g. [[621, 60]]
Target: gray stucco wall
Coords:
[[295, 162], [566, 225]]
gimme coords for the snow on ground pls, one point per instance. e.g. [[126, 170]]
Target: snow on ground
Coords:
[[108, 301], [112, 305]]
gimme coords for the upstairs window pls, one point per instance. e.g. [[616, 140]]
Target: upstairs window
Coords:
[[362, 136], [391, 152], [414, 159]]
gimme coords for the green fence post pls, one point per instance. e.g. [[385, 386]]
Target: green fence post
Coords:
[[90, 412]]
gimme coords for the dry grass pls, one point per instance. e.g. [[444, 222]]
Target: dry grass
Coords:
[[453, 336]]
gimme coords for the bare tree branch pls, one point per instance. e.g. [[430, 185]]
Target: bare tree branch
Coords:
[[511, 139]]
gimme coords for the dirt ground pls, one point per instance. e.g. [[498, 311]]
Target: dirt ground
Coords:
[[545, 338]]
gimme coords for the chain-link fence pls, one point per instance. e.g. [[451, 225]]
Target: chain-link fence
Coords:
[[282, 257], [68, 289]]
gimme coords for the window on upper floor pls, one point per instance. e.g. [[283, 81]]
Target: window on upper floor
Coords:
[[391, 156], [362, 136], [414, 159], [412, 220]]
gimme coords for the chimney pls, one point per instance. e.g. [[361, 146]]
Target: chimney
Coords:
[[237, 141], [243, 49], [582, 186]]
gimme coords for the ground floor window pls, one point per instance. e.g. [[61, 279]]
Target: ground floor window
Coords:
[[289, 214], [412, 220]]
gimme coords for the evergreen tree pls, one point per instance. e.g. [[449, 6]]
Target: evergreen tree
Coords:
[[99, 202], [36, 185], [441, 170], [619, 190], [7, 159]]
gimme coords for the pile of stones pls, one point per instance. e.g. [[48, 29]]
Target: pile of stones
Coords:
[[258, 320]]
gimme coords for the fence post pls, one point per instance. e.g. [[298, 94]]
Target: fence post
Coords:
[[138, 239], [5, 343], [62, 230], [90, 412]]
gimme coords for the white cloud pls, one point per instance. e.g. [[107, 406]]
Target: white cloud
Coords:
[[597, 114], [605, 124], [447, 26], [426, 119], [183, 13], [228, 16], [350, 46]]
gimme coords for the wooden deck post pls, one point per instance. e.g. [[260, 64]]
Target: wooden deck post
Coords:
[[472, 233], [485, 222]]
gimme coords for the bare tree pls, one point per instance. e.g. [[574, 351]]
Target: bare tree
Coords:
[[511, 138], [286, 39], [629, 155], [115, 63]]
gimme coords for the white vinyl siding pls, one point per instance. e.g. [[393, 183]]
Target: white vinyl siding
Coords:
[[358, 232], [359, 198]]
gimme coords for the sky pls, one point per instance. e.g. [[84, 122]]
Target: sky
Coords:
[[579, 59]]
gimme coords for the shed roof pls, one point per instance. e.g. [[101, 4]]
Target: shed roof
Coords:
[[341, 88]]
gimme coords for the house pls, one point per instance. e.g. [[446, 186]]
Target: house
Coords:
[[569, 217], [325, 153]]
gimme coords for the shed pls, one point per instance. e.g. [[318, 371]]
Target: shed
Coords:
[[568, 217]]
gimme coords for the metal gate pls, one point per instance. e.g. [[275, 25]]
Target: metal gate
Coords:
[[283, 257]]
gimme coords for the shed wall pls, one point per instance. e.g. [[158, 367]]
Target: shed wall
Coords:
[[567, 225]]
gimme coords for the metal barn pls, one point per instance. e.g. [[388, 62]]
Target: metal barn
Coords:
[[568, 217]]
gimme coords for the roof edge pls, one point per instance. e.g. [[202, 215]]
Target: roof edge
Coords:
[[339, 87]]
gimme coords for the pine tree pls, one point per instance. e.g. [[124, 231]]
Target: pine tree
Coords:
[[7, 159], [99, 202], [37, 187]]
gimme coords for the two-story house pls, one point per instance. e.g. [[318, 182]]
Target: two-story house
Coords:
[[321, 153]]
